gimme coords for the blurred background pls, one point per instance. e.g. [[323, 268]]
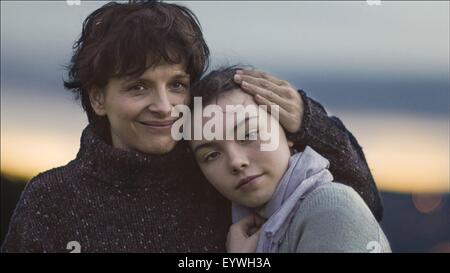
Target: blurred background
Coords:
[[383, 69]]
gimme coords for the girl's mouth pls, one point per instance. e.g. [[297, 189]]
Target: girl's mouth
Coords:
[[247, 182]]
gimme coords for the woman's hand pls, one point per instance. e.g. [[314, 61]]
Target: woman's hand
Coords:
[[268, 90], [243, 236]]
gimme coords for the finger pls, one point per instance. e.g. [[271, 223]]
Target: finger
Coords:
[[270, 106], [259, 74], [253, 230], [255, 80], [256, 234], [263, 83], [245, 224], [267, 94], [259, 221], [286, 92], [255, 89]]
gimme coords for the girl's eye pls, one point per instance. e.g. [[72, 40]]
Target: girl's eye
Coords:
[[211, 156], [251, 136]]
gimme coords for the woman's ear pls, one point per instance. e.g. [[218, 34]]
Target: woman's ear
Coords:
[[97, 99], [290, 143]]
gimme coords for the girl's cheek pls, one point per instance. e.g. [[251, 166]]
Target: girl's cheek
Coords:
[[215, 176], [254, 150], [209, 174]]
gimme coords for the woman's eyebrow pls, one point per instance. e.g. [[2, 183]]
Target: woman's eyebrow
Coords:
[[134, 80], [176, 75], [180, 75]]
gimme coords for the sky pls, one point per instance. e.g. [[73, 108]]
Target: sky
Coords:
[[382, 69]]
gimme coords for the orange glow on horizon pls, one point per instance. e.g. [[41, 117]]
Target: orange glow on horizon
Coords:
[[405, 153]]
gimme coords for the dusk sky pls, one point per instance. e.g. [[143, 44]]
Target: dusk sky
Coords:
[[383, 69]]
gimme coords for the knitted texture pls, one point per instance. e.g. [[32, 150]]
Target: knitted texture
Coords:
[[111, 200]]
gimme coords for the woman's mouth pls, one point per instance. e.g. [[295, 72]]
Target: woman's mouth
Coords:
[[248, 183], [158, 125]]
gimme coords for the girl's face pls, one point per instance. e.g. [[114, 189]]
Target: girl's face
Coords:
[[238, 169], [139, 109]]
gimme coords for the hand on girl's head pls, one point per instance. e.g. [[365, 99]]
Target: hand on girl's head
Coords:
[[268, 90]]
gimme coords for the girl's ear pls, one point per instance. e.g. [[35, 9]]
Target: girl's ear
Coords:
[[97, 99]]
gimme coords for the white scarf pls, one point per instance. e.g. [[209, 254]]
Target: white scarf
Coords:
[[306, 171]]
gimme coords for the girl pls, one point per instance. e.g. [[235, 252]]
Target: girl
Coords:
[[283, 201]]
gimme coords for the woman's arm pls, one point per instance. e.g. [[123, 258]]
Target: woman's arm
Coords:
[[329, 137], [307, 123]]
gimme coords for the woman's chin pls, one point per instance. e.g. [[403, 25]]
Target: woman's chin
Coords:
[[159, 146]]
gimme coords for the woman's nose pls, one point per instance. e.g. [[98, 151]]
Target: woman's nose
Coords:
[[160, 103]]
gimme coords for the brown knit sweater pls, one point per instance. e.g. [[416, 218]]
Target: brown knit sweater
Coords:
[[111, 200]]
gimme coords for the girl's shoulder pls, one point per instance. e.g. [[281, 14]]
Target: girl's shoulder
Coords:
[[335, 196], [334, 217]]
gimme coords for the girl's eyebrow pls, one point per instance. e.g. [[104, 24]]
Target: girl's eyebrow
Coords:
[[243, 121], [212, 143], [204, 145]]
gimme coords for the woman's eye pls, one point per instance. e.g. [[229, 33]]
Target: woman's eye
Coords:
[[137, 87], [179, 86], [211, 156]]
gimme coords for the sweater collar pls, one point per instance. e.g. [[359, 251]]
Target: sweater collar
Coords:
[[121, 168]]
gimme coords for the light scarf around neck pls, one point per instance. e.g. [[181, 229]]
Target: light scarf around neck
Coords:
[[306, 171]]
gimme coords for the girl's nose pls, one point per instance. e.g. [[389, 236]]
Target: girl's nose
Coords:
[[238, 162]]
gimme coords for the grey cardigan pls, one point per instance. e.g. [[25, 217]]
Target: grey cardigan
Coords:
[[334, 218]]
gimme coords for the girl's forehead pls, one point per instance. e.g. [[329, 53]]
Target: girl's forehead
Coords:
[[236, 104], [235, 97]]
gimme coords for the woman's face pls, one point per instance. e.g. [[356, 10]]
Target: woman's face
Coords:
[[239, 169], [139, 109]]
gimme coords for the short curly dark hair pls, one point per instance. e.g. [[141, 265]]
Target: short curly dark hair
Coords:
[[115, 38]]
